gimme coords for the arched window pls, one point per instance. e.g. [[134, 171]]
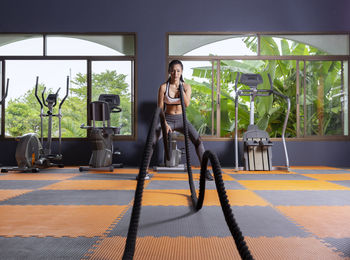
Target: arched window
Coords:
[[311, 69], [95, 64]]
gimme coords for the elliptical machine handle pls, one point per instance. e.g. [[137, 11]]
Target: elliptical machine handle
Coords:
[[36, 92], [62, 101], [43, 97], [6, 91]]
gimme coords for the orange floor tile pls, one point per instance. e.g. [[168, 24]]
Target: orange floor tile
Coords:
[[291, 185], [200, 248], [323, 221], [57, 221], [6, 194]]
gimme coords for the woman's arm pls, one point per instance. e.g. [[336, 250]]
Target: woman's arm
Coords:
[[187, 94], [161, 92]]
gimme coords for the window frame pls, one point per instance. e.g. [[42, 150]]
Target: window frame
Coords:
[[258, 56], [89, 59]]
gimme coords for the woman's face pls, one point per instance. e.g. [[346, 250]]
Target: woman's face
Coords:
[[176, 72]]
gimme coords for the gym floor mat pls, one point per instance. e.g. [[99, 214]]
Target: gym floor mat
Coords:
[[290, 177], [72, 197], [155, 185], [183, 198], [198, 248], [323, 221], [23, 184], [56, 221], [93, 185], [343, 183], [67, 214], [37, 176], [184, 176], [306, 197], [330, 177], [7, 194], [291, 185]]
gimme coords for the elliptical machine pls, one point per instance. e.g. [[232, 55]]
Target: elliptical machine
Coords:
[[102, 137], [32, 154], [256, 143]]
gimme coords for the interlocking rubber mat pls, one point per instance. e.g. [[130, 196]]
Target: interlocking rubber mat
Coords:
[[67, 214]]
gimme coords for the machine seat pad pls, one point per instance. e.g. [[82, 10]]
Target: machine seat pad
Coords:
[[265, 143], [252, 143]]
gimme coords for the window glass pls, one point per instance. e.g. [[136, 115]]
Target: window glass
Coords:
[[201, 112], [269, 112], [194, 45], [21, 45], [304, 45], [319, 101], [324, 99], [22, 108], [115, 77], [89, 45]]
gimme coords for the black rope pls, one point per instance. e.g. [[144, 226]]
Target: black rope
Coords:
[[224, 202], [197, 203], [187, 150], [136, 210], [166, 141], [220, 187]]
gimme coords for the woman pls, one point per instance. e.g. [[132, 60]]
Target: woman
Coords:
[[169, 101]]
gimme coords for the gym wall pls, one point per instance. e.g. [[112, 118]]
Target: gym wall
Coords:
[[151, 20]]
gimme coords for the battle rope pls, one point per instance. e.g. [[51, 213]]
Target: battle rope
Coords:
[[136, 210], [220, 187], [197, 202]]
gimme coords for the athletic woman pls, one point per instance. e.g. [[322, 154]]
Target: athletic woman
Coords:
[[169, 101]]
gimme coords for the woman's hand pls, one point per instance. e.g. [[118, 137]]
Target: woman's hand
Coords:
[[168, 129], [187, 94]]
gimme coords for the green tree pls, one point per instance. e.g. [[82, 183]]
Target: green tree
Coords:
[[108, 82], [323, 87], [22, 113]]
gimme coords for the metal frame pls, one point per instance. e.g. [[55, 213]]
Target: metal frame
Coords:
[[253, 93], [89, 60]]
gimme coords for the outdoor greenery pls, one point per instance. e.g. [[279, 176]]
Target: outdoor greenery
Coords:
[[22, 114], [323, 102]]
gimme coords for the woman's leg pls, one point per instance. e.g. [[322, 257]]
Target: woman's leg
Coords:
[[177, 125], [196, 140], [157, 136]]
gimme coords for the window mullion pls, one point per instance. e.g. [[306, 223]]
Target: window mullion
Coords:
[[3, 104], [44, 45], [304, 105], [212, 98], [89, 90], [297, 98], [218, 112]]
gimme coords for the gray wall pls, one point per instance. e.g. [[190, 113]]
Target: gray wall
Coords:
[[151, 20]]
